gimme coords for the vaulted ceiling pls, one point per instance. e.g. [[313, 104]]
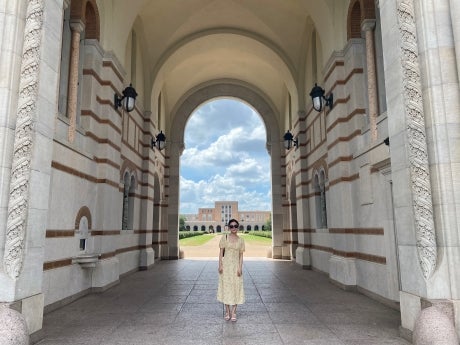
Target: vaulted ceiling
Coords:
[[262, 43]]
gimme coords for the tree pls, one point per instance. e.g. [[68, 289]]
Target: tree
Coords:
[[268, 225], [181, 223]]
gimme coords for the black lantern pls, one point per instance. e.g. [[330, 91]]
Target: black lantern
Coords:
[[289, 140], [317, 97], [128, 101], [159, 142]]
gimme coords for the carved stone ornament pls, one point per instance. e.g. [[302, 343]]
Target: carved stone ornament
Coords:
[[416, 137], [23, 141]]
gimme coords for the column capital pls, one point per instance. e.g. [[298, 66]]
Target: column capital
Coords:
[[66, 4], [77, 25], [368, 24]]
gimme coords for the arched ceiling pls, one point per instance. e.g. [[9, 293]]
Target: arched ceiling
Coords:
[[261, 43]]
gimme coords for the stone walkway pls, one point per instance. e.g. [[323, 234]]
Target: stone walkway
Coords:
[[175, 303]]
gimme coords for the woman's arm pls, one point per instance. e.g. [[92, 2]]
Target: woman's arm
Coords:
[[239, 272], [221, 252]]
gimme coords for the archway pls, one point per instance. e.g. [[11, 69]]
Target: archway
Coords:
[[250, 95]]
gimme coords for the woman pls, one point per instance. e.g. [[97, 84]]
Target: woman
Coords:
[[230, 290]]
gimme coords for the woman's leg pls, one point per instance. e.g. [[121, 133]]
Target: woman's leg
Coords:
[[227, 312], [234, 312]]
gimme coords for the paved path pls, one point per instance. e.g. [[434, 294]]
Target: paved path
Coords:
[[211, 250], [174, 303]]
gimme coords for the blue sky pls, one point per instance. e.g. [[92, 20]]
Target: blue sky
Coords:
[[225, 158]]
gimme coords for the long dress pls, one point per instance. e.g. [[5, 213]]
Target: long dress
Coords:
[[230, 289]]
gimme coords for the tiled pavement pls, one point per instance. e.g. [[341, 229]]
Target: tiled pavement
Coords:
[[175, 303]]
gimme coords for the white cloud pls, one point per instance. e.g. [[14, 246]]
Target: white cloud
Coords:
[[225, 158]]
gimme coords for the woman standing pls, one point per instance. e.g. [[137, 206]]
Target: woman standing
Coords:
[[230, 290]]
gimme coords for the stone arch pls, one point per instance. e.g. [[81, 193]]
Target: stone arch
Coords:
[[318, 165], [253, 97], [285, 66], [358, 11], [87, 11], [225, 88], [83, 212], [131, 169]]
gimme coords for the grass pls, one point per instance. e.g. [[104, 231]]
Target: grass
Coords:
[[256, 240], [202, 239], [196, 240]]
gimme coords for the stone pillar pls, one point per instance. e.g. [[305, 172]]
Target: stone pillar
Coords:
[[423, 101], [147, 254], [368, 26], [303, 208], [77, 27], [277, 197], [21, 269], [455, 18]]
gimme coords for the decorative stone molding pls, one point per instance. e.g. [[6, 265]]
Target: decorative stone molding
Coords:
[[416, 138], [18, 204], [86, 260]]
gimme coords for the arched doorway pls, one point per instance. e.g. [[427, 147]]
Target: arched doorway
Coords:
[[250, 95]]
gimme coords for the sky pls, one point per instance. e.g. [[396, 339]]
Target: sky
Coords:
[[225, 158]]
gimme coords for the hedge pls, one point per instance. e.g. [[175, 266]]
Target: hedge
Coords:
[[186, 234]]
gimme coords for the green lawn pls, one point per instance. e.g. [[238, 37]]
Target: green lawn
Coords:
[[256, 240], [202, 239], [196, 240]]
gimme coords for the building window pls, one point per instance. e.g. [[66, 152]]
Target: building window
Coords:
[[320, 199], [128, 202]]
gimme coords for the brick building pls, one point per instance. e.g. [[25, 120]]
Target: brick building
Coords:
[[216, 218]]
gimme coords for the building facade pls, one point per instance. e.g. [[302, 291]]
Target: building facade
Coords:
[[368, 192], [216, 219]]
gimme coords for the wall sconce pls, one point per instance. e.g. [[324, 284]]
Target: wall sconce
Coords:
[[128, 101], [317, 96], [289, 140], [159, 142]]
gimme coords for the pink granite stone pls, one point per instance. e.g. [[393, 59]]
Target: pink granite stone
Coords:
[[13, 327], [434, 327]]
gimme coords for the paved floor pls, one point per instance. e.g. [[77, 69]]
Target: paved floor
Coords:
[[175, 303]]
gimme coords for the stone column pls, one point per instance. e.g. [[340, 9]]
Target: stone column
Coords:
[[368, 26], [147, 254], [455, 18], [423, 116], [169, 216], [278, 190], [77, 27], [21, 268], [303, 210]]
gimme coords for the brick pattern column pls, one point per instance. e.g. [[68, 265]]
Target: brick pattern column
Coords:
[[77, 27], [368, 26]]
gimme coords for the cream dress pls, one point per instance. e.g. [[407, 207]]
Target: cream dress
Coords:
[[230, 290]]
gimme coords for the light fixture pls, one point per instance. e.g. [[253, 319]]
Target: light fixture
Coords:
[[317, 96], [289, 140], [159, 142], [128, 101]]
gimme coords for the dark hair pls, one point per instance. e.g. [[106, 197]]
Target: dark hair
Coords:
[[233, 221]]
